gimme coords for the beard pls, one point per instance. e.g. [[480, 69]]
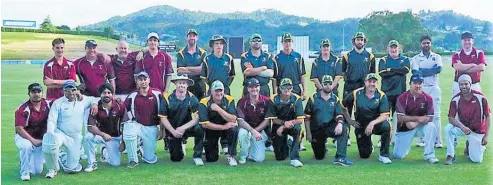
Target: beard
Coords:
[[106, 99], [328, 91]]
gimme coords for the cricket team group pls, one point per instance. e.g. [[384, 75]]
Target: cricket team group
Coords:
[[124, 104]]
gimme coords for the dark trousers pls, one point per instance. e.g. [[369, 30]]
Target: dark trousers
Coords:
[[175, 144], [211, 142], [280, 143], [349, 87], [365, 145], [319, 139], [392, 101], [198, 89]]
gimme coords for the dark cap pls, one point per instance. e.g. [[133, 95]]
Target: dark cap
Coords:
[[69, 83], [371, 76], [416, 77], [325, 42], [359, 35], [34, 87], [216, 38], [255, 36], [192, 31], [253, 82], [90, 43], [466, 35], [143, 73], [286, 36], [393, 43]]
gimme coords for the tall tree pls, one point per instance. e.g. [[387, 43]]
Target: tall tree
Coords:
[[108, 31], [47, 25]]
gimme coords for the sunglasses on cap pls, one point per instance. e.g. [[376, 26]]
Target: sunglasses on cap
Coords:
[[257, 40]]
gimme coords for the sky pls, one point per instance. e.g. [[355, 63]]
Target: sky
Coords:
[[83, 12]]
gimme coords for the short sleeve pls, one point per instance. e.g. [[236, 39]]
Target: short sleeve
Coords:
[[138, 66], [348, 100], [205, 67], [46, 71], [309, 108], [163, 108], [169, 65], [232, 108], [303, 71], [455, 58], [486, 107], [240, 109], [271, 111], [242, 63], [110, 71], [270, 62], [431, 110], [384, 106], [338, 68], [92, 121], [481, 58], [313, 72], [194, 105], [20, 118], [338, 110], [452, 111], [299, 109], [73, 73], [232, 70], [400, 105], [180, 61]]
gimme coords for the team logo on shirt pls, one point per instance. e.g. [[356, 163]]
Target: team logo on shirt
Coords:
[[100, 66], [474, 101], [422, 105], [261, 110], [66, 67], [264, 59], [366, 59], [160, 63], [332, 104], [225, 63], [114, 113], [151, 98]]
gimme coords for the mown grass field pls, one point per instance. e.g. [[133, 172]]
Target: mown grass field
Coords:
[[411, 170]]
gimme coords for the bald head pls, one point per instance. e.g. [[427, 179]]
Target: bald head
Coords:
[[122, 49]]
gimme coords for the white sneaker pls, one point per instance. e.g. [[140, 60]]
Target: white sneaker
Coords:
[[384, 160], [296, 163], [438, 145], [433, 160], [51, 174], [269, 149], [225, 150], [198, 161], [83, 156], [183, 149], [302, 147], [348, 142], [231, 161], [25, 177], [420, 143], [91, 167], [243, 160]]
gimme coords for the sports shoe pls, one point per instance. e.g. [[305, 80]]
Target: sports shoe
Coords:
[[140, 152], [104, 155], [449, 160], [343, 162], [91, 167], [51, 174], [348, 142], [242, 160], [25, 177], [438, 145], [269, 149], [420, 143], [132, 164], [231, 161], [433, 160], [302, 147], [225, 151], [384, 160], [198, 161], [296, 163]]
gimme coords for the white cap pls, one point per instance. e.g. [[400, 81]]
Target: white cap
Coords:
[[152, 34], [465, 77]]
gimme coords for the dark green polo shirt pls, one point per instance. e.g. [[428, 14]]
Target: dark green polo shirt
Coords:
[[322, 112], [357, 65], [393, 73], [367, 109], [265, 59], [178, 112], [185, 59], [293, 109], [290, 66], [206, 115], [320, 67], [215, 68]]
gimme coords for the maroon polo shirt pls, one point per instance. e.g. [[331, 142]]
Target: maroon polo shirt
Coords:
[[93, 75], [56, 71], [253, 114], [475, 57], [409, 105], [144, 109], [33, 121], [472, 113], [158, 67], [124, 73], [109, 121]]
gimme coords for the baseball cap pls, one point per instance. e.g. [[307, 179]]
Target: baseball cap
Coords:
[[466, 35], [69, 83], [255, 36], [371, 76], [253, 82], [327, 79], [416, 77], [286, 83], [143, 73], [216, 38], [192, 31], [217, 85], [359, 35], [286, 37], [90, 43], [325, 42], [393, 43], [153, 34], [34, 87]]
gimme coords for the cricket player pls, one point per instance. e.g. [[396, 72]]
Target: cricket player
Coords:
[[217, 114], [155, 63], [30, 125], [218, 65], [179, 120], [123, 64], [257, 64], [105, 128], [142, 110], [429, 64], [253, 125], [371, 111], [326, 64], [469, 116], [57, 71], [64, 128], [469, 60], [189, 61], [414, 118], [393, 69], [324, 119], [289, 64], [287, 115]]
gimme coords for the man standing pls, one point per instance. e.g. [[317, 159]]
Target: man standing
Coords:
[[65, 122], [371, 113], [393, 69], [57, 71], [257, 64], [104, 128], [290, 64], [155, 63], [142, 106], [326, 64], [429, 64], [324, 119], [189, 61], [469, 116], [30, 125], [468, 60], [287, 115], [124, 66], [251, 118], [414, 117], [218, 65], [217, 116], [179, 120]]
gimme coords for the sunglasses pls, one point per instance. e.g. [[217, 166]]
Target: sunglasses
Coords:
[[70, 89], [256, 40], [327, 83], [286, 87]]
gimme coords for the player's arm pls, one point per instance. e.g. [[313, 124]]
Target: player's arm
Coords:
[[53, 117], [20, 123], [92, 127], [384, 109], [191, 123], [231, 72], [300, 114], [23, 133], [338, 74], [302, 80], [308, 115], [269, 72]]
